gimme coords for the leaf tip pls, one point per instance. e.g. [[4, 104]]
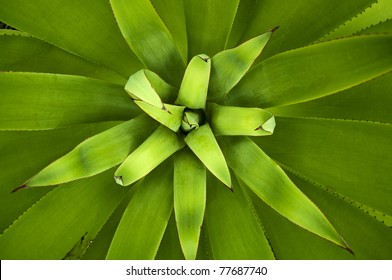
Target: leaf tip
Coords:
[[274, 29], [204, 57], [119, 180], [19, 188]]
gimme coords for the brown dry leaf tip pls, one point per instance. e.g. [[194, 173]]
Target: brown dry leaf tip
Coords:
[[347, 248], [19, 188], [275, 28]]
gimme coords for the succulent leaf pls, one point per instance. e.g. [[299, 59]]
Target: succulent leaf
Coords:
[[229, 120], [189, 200], [194, 86], [158, 147], [149, 211], [203, 143]]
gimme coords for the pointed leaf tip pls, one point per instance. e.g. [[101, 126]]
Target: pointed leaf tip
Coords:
[[19, 188], [275, 28], [119, 180]]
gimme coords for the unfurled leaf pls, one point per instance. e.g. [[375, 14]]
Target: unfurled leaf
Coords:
[[265, 178], [149, 212], [203, 143], [158, 147], [189, 200], [229, 120]]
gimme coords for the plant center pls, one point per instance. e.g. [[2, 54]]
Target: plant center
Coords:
[[192, 119]]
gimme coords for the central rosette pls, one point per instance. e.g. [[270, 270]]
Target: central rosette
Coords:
[[194, 114]]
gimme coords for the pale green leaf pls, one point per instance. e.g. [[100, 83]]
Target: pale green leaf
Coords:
[[64, 221], [208, 24], [86, 28], [301, 22], [314, 71], [234, 230], [170, 117], [189, 200], [96, 154], [166, 92], [265, 178], [21, 52], [352, 158], [158, 147], [229, 120], [144, 221], [149, 38], [203, 143], [32, 101], [35, 149], [229, 66], [194, 86]]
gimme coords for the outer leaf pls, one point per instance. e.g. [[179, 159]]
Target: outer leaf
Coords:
[[321, 17], [170, 117], [149, 38], [189, 200], [166, 92], [35, 149], [378, 12], [242, 18], [158, 147], [292, 242], [367, 101], [229, 66], [173, 15], [271, 184], [96, 154], [203, 143], [352, 158], [234, 230], [21, 52], [152, 204], [315, 71], [194, 86], [228, 120], [86, 28], [382, 27], [71, 213], [208, 24], [44, 101]]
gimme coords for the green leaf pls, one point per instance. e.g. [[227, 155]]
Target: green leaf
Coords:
[[265, 178], [234, 230], [96, 154], [170, 117], [189, 200], [166, 92], [241, 21], [194, 86], [352, 158], [158, 147], [314, 71], [301, 23], [378, 12], [72, 213], [382, 27], [203, 143], [44, 101], [208, 24], [24, 53], [35, 149], [367, 101], [144, 221], [173, 16], [229, 67], [87, 29], [140, 88], [228, 120], [149, 38]]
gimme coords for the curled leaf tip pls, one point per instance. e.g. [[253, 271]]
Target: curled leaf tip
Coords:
[[204, 57], [19, 188], [274, 29], [119, 180]]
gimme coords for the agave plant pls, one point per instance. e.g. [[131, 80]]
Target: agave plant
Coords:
[[196, 129]]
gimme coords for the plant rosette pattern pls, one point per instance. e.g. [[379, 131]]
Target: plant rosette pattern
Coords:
[[226, 139]]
